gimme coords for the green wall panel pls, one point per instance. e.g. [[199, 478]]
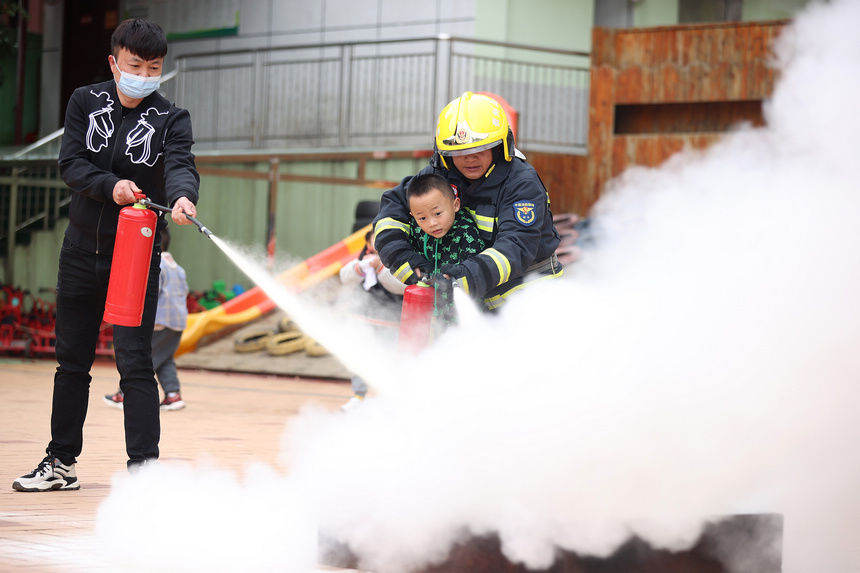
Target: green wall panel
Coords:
[[754, 10], [234, 209], [655, 13], [562, 24], [313, 216], [36, 263]]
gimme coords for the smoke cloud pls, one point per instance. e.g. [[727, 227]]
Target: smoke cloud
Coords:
[[700, 361]]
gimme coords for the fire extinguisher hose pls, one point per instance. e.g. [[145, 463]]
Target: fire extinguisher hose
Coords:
[[157, 207]]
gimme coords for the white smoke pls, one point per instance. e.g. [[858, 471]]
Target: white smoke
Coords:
[[699, 362], [183, 517]]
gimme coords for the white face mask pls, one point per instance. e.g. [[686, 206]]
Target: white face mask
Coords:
[[136, 87]]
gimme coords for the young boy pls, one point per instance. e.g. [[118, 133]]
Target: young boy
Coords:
[[438, 229]]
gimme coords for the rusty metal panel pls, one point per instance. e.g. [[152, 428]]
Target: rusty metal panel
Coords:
[[565, 177], [628, 85], [601, 47], [651, 151], [621, 155], [667, 84], [691, 65], [601, 114], [703, 56]]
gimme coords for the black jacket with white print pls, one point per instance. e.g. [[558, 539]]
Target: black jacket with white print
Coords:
[[151, 146]]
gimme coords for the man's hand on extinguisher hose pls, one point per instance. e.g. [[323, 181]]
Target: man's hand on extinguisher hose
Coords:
[[182, 207], [123, 192]]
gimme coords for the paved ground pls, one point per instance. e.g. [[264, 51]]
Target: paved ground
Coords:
[[234, 418]]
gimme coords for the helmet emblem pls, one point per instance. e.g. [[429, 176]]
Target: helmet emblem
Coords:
[[463, 133]]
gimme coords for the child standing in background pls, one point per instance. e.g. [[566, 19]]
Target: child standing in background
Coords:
[[170, 319], [386, 298]]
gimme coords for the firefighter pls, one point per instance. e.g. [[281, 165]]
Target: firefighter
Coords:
[[475, 153]]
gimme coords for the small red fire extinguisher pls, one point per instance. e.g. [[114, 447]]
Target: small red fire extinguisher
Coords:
[[129, 271], [416, 317]]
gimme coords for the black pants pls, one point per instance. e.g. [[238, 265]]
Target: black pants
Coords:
[[82, 283]]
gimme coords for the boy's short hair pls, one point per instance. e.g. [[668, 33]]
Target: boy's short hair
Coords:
[[423, 184], [141, 37]]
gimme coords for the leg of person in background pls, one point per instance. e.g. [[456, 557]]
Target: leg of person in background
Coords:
[[359, 391], [114, 399], [164, 344]]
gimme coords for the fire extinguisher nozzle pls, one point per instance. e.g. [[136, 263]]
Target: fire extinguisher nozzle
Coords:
[[158, 207], [200, 225]]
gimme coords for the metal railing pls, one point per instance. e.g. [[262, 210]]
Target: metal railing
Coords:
[[376, 93], [32, 196]]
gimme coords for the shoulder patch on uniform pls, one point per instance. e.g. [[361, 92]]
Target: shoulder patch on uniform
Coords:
[[524, 212]]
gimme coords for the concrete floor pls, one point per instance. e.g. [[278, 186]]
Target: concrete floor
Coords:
[[233, 418]]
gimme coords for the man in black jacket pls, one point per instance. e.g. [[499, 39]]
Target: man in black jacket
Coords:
[[121, 137], [475, 153]]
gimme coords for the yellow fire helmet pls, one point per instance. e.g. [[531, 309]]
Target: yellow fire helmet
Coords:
[[472, 123]]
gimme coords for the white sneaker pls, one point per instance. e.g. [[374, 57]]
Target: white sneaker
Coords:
[[50, 475], [354, 402]]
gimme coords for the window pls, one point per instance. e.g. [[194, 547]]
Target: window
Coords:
[[691, 11], [613, 13], [692, 117]]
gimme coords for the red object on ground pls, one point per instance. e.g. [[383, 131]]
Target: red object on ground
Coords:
[[415, 318], [129, 272]]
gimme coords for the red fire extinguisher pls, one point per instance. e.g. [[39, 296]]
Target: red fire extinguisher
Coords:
[[416, 317], [129, 272]]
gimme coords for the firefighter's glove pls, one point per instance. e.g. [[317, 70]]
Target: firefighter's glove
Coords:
[[440, 282], [418, 263], [459, 275], [454, 271]]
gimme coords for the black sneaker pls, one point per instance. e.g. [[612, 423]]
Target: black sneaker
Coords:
[[51, 474]]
